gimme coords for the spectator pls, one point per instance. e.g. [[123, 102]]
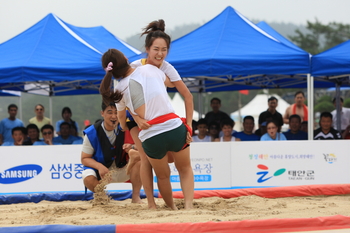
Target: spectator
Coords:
[[226, 127], [202, 136], [32, 135], [298, 108], [346, 133], [214, 130], [194, 127], [262, 130], [215, 115], [304, 127], [247, 133], [7, 124], [47, 132], [326, 131], [18, 134], [65, 137], [272, 133], [294, 132], [345, 116], [40, 120], [67, 117], [271, 113]]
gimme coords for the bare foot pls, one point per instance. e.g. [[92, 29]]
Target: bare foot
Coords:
[[137, 200], [134, 157]]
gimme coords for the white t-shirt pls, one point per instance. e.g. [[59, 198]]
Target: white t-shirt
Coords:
[[205, 139], [345, 118], [166, 67], [155, 97]]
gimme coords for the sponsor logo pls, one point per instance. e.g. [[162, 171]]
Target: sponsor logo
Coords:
[[330, 158], [20, 173], [265, 171], [301, 175]]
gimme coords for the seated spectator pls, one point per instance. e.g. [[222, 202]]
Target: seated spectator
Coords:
[[346, 133], [247, 133], [262, 130], [271, 113], [214, 130], [294, 132], [47, 132], [215, 115], [226, 128], [67, 117], [32, 135], [326, 131], [18, 134], [202, 135], [272, 132], [344, 116], [39, 120], [304, 127], [7, 124], [65, 137]]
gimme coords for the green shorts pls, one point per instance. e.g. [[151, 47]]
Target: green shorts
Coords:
[[157, 146]]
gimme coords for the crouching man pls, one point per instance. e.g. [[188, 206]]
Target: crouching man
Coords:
[[104, 150]]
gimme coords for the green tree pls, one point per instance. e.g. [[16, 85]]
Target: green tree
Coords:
[[321, 37]]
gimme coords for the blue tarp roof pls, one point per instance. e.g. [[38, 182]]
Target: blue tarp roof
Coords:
[[54, 52]]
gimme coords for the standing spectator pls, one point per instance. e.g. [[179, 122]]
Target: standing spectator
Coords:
[[247, 133], [272, 133], [65, 137], [67, 117], [294, 132], [226, 128], [47, 132], [215, 115], [202, 136], [32, 135], [298, 108], [7, 124], [39, 120], [214, 130], [344, 116], [326, 131], [18, 134], [271, 113]]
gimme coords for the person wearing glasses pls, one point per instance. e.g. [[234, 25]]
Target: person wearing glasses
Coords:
[[47, 132], [272, 132], [40, 120]]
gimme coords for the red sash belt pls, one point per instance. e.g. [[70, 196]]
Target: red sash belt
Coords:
[[166, 117], [304, 110]]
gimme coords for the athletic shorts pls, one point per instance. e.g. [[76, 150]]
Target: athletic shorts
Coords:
[[157, 146], [131, 124], [119, 176]]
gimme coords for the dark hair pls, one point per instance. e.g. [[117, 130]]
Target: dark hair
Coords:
[[12, 106], [248, 118], [227, 121], [299, 92], [40, 106], [295, 116], [120, 68], [65, 123], [215, 98], [66, 109], [304, 123], [47, 126], [272, 98], [154, 30], [326, 115], [202, 122], [214, 123], [274, 122], [22, 129], [341, 100], [32, 126], [104, 106]]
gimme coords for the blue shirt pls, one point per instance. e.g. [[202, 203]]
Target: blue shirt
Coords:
[[58, 124], [42, 143], [279, 137], [301, 135], [6, 126], [69, 140], [8, 144], [246, 137]]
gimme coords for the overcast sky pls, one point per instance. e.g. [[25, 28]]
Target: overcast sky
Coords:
[[125, 18]]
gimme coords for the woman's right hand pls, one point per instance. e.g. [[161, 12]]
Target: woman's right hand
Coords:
[[142, 123]]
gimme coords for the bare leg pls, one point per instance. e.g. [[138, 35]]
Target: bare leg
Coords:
[[162, 170], [136, 182], [145, 170], [91, 182], [134, 157], [183, 165], [170, 157]]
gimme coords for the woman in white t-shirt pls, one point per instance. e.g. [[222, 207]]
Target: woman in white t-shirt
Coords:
[[142, 91]]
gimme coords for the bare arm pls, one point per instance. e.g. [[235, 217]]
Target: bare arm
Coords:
[[141, 123], [168, 83], [286, 116], [183, 90], [87, 160], [122, 119]]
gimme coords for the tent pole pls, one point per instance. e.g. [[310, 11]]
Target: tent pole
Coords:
[[50, 103], [310, 103], [338, 106], [20, 107]]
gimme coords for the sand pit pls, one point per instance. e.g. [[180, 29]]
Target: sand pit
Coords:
[[205, 209]]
